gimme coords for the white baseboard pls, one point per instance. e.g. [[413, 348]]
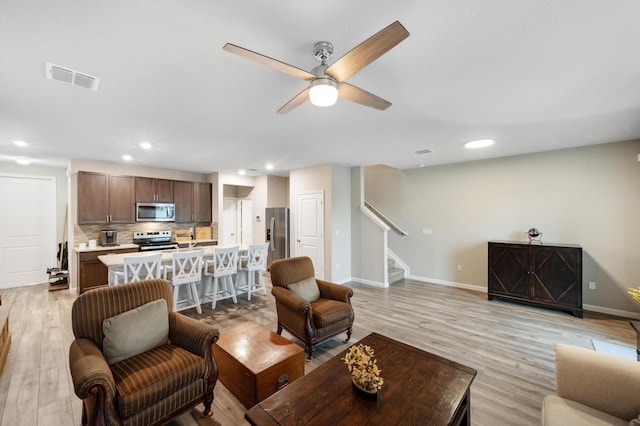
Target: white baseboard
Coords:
[[450, 283], [592, 308], [368, 282], [609, 311]]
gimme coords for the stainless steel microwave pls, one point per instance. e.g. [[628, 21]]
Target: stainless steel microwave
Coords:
[[155, 212]]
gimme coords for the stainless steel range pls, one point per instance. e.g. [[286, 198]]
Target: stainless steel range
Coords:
[[154, 240]]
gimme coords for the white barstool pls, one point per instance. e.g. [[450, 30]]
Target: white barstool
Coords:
[[222, 268], [185, 269], [138, 268], [254, 263]]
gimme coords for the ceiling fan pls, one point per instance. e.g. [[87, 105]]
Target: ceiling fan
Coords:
[[326, 82]]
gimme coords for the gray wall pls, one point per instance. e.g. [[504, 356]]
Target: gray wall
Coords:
[[588, 196]]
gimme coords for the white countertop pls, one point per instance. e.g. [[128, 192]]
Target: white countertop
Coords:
[[105, 248], [117, 259]]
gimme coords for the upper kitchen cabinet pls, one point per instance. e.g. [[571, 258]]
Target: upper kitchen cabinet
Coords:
[[202, 202], [193, 201], [105, 198], [150, 190]]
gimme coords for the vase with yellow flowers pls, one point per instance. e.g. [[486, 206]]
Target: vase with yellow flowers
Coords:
[[365, 374]]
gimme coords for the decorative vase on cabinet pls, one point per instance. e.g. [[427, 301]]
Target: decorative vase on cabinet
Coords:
[[546, 275]]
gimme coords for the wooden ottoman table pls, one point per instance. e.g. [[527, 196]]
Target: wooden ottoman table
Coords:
[[254, 362]]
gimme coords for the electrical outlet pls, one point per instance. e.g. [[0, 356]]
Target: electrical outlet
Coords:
[[459, 268], [427, 231], [592, 285]]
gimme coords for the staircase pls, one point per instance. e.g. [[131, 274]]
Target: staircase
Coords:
[[394, 273]]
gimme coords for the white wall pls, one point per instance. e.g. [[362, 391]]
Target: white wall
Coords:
[[588, 196], [341, 224]]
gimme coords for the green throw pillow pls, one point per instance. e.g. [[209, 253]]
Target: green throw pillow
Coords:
[[133, 332], [307, 289]]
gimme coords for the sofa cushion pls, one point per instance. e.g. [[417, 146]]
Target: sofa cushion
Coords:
[[306, 289], [327, 312], [135, 331], [146, 378], [560, 411]]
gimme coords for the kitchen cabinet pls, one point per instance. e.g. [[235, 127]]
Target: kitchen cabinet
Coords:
[[193, 201], [91, 272], [150, 190], [202, 202], [105, 198], [546, 275]]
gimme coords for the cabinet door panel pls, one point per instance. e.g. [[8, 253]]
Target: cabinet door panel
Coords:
[[509, 270], [557, 275], [183, 198], [145, 192], [93, 197], [202, 202], [122, 199], [163, 190]]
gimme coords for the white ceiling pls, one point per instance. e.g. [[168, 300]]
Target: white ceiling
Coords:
[[533, 75]]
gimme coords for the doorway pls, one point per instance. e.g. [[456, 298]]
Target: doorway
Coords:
[[310, 229], [237, 220], [27, 229]]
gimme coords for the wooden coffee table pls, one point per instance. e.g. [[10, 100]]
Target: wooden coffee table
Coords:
[[254, 362], [419, 388]]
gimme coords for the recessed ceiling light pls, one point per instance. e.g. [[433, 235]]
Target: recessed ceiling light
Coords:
[[23, 161], [269, 167], [20, 143], [127, 157], [145, 145], [241, 172], [479, 143]]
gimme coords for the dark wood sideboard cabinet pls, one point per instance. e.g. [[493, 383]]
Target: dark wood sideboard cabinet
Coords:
[[546, 275]]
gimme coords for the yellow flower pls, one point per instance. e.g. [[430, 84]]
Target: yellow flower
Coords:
[[635, 293], [363, 367]]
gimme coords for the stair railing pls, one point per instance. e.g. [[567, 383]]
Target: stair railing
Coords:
[[384, 218]]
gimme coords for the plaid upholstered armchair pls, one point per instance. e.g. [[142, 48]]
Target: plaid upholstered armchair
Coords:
[[312, 310], [136, 362]]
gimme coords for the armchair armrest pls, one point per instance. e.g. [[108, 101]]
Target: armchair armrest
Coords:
[[601, 381], [290, 300], [191, 334], [92, 380], [334, 291]]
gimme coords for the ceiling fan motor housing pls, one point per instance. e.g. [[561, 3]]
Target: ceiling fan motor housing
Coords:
[[323, 51]]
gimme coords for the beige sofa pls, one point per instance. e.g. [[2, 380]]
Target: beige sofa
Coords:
[[592, 388]]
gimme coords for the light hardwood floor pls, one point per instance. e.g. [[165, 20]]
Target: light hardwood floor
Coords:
[[511, 346]]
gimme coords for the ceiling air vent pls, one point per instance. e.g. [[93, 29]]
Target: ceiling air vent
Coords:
[[66, 75], [424, 151]]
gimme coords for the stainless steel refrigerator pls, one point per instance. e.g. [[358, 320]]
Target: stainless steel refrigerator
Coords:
[[277, 223]]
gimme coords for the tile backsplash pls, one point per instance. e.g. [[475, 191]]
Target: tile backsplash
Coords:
[[84, 233]]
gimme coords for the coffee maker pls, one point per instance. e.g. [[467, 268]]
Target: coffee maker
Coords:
[[109, 237]]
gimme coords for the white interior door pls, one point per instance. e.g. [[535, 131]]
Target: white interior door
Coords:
[[310, 229], [246, 222], [229, 222], [27, 230]]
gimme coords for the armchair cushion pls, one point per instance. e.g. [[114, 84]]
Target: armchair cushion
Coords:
[[306, 289], [327, 312], [135, 331], [148, 377]]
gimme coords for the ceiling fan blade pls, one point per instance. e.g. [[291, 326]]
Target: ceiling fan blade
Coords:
[[367, 51], [297, 100], [269, 62], [355, 94]]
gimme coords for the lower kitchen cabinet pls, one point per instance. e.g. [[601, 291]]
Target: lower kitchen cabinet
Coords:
[[546, 275], [91, 272]]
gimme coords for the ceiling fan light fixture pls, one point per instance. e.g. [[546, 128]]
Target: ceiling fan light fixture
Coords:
[[323, 92]]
